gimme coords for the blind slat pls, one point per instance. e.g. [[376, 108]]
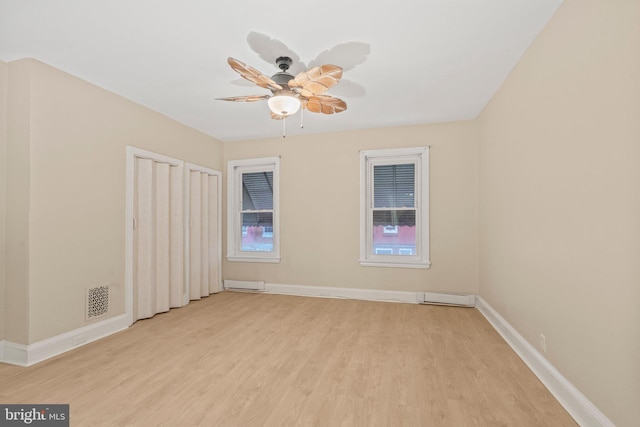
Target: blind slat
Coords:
[[257, 190], [394, 186]]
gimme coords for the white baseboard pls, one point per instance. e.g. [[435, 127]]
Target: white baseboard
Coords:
[[345, 293], [13, 353], [27, 355], [579, 407]]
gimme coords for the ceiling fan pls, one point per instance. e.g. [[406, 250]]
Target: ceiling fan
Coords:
[[290, 93]]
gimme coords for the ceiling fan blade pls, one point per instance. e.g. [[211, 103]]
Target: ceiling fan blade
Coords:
[[253, 75], [325, 104], [275, 116], [250, 98], [316, 80]]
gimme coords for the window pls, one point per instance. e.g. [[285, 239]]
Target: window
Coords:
[[394, 208], [252, 217]]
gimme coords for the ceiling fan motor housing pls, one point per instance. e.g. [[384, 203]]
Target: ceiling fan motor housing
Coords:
[[282, 78]]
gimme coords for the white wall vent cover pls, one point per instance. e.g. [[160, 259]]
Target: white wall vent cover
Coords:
[[243, 285], [97, 302], [460, 300]]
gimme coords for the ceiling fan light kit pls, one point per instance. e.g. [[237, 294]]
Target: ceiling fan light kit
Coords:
[[291, 93], [284, 104]]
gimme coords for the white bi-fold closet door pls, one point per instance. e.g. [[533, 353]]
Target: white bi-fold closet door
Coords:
[[203, 232], [158, 237], [174, 241]]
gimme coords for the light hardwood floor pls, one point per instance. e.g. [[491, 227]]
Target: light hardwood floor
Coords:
[[242, 359]]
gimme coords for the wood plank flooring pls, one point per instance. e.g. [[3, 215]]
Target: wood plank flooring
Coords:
[[242, 359]]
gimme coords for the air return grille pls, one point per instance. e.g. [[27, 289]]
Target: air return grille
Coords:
[[97, 302]]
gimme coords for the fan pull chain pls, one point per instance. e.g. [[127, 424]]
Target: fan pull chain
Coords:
[[284, 127], [302, 118]]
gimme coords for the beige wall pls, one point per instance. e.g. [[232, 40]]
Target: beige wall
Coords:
[[77, 138], [17, 203], [319, 197], [559, 173], [3, 187]]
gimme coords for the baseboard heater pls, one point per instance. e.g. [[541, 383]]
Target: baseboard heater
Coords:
[[243, 285], [458, 300]]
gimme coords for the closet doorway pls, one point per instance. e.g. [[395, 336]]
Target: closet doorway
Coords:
[[173, 233]]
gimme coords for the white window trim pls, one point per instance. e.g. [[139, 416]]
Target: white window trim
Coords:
[[368, 158], [235, 168]]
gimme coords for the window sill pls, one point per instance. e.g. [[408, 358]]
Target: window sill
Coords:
[[273, 260], [424, 266]]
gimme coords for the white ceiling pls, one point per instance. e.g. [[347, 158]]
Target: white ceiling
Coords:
[[406, 61]]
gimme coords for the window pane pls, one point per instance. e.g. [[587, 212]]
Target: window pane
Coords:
[[257, 191], [257, 232], [394, 186], [394, 232]]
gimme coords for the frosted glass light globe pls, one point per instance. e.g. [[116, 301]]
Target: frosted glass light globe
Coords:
[[284, 105]]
